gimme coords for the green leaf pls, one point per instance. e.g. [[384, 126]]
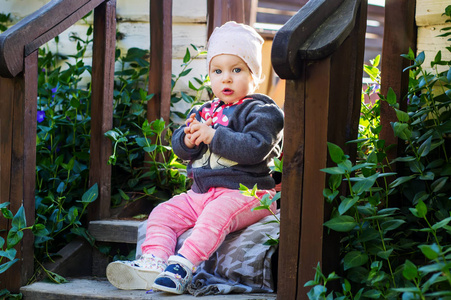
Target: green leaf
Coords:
[[90, 195], [364, 184], [402, 116], [14, 237], [346, 204], [392, 224], [372, 294], [437, 185], [425, 147], [391, 96], [410, 271], [430, 251], [6, 266], [187, 56], [336, 154], [335, 181], [19, 221], [420, 59], [401, 180], [333, 170], [9, 253], [385, 254], [441, 224], [55, 277], [422, 209], [341, 223], [401, 130], [186, 72], [354, 259]]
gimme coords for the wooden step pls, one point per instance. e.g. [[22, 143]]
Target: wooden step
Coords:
[[93, 289], [116, 231]]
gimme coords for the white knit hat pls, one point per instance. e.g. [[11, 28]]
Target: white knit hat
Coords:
[[240, 40]]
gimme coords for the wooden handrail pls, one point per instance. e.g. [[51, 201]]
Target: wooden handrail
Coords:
[[314, 32], [38, 28], [18, 106], [319, 52]]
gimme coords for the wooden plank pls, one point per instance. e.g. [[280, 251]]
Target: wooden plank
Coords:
[[6, 122], [194, 11], [399, 35], [289, 39], [102, 106], [29, 115], [291, 200], [316, 124], [22, 153], [429, 12], [160, 73], [222, 11], [428, 42], [6, 112], [115, 231], [36, 29]]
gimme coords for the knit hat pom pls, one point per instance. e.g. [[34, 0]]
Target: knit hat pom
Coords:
[[240, 40]]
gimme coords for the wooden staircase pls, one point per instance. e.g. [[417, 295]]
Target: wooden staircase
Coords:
[[90, 265]]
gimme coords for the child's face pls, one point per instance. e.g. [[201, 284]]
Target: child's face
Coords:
[[231, 80]]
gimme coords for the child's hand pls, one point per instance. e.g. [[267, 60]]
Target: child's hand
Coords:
[[190, 120], [200, 132]]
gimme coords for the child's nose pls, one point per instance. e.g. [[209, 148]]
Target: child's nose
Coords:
[[227, 77]]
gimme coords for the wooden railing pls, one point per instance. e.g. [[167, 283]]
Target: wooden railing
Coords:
[[319, 51], [18, 104]]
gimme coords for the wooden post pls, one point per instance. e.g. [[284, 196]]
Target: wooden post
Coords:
[[160, 73], [18, 162], [324, 78], [102, 106], [222, 11], [399, 35]]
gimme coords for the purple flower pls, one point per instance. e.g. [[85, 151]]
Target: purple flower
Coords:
[[54, 92], [375, 88], [40, 116]]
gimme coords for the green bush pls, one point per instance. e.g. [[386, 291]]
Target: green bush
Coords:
[[396, 238], [143, 162]]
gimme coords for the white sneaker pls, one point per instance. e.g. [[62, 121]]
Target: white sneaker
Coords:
[[137, 274]]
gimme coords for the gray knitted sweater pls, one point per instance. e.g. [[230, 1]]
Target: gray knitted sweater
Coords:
[[240, 152]]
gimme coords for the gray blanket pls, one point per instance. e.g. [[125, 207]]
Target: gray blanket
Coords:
[[242, 264]]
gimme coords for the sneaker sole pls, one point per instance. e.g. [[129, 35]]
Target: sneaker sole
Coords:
[[126, 277], [166, 289]]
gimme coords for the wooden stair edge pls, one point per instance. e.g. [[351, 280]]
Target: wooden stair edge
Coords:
[[115, 230], [100, 288]]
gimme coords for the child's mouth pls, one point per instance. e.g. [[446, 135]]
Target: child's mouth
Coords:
[[227, 91]]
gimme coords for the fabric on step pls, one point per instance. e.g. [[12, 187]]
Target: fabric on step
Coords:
[[242, 264]]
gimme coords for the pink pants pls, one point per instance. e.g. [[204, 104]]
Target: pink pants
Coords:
[[212, 216]]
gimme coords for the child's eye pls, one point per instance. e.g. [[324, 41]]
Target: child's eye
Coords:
[[236, 70], [217, 71]]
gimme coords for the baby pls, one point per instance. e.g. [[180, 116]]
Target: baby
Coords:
[[229, 141]]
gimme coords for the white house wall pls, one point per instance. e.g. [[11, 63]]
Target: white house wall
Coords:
[[189, 27]]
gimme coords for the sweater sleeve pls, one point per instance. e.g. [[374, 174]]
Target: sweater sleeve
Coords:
[[259, 137]]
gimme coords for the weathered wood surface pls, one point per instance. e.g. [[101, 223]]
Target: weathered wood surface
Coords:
[[102, 106], [38, 28], [160, 73], [222, 11], [430, 12], [399, 15], [316, 45], [18, 160], [115, 231], [18, 105]]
